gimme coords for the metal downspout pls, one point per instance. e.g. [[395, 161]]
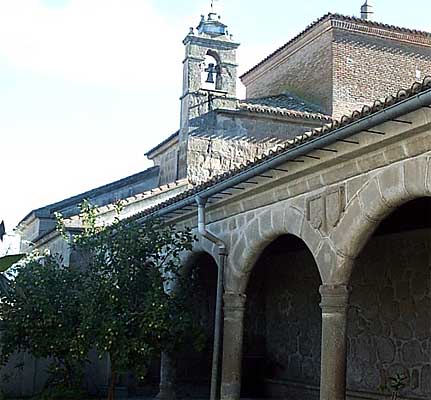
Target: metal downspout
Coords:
[[222, 251]]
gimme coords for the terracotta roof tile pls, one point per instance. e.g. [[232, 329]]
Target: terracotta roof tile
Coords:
[[259, 108], [344, 18], [366, 111]]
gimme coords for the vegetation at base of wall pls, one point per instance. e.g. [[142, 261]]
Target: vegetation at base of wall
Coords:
[[127, 298], [137, 301], [394, 385], [41, 315]]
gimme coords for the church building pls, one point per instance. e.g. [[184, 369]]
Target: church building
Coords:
[[311, 202]]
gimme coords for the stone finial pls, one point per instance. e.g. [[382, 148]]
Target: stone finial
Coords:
[[366, 11]]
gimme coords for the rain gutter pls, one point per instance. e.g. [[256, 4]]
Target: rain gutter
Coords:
[[413, 103]]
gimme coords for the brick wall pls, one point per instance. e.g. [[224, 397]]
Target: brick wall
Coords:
[[366, 68], [341, 65], [305, 72]]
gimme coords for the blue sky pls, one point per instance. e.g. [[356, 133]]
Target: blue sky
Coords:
[[87, 86]]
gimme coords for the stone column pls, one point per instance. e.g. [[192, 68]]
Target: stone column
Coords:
[[335, 300], [167, 378], [234, 306]]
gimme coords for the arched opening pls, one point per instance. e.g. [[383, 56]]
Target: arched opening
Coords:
[[211, 78], [282, 330], [194, 366], [389, 320]]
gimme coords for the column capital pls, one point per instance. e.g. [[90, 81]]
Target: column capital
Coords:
[[335, 298]]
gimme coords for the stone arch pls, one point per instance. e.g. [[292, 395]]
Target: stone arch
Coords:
[[212, 58], [195, 366], [258, 233], [381, 195]]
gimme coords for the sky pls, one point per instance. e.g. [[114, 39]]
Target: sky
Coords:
[[88, 86]]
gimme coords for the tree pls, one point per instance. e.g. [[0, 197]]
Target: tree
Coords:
[[128, 298], [6, 263], [137, 303], [41, 314]]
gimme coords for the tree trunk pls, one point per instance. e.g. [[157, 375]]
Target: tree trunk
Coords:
[[111, 389]]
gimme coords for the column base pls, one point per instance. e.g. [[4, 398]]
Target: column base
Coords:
[[166, 392], [230, 391]]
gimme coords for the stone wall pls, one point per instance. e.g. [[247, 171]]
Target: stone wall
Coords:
[[168, 162], [389, 325], [194, 366], [306, 72], [230, 139], [283, 323], [366, 68]]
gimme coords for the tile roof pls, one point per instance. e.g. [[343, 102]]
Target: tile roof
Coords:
[[285, 100], [102, 195], [284, 105], [343, 18], [365, 112], [163, 142]]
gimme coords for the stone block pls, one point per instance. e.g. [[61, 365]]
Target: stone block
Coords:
[[402, 330], [351, 233], [371, 162], [391, 310], [293, 220], [412, 353], [415, 176], [391, 183], [395, 153], [372, 203], [426, 379], [386, 349], [418, 145]]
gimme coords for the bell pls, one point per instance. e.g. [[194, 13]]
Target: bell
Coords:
[[211, 71]]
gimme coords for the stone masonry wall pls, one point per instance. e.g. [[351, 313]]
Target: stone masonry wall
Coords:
[[232, 140], [168, 162], [306, 73], [208, 157], [283, 324], [367, 68], [389, 325], [194, 366]]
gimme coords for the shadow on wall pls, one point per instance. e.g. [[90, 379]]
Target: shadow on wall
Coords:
[[282, 332], [389, 322]]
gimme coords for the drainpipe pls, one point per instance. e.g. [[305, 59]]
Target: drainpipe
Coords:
[[222, 251]]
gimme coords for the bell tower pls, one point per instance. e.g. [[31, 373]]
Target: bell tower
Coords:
[[209, 77]]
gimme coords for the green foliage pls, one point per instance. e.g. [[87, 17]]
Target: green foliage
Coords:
[[7, 261], [395, 384], [42, 313], [130, 300], [137, 302]]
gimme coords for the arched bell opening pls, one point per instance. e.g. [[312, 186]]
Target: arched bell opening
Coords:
[[211, 77], [282, 331], [389, 319], [194, 366]]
